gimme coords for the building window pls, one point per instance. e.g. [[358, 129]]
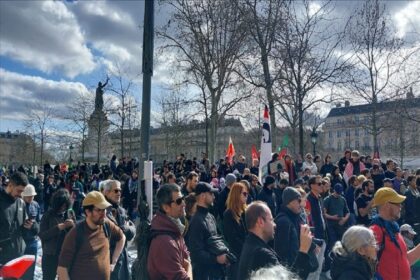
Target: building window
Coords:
[[356, 132], [338, 133], [339, 146], [366, 131], [356, 144], [330, 134], [356, 119], [348, 133]]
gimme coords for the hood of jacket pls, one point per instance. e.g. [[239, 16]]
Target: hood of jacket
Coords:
[[356, 264]]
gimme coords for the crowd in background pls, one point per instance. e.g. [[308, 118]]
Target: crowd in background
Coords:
[[314, 205]]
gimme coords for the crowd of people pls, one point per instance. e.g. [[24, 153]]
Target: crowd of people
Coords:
[[355, 217]]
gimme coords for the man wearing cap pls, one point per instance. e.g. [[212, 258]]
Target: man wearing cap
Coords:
[[14, 222], [408, 234], [168, 255], [92, 259], [268, 195], [289, 227], [394, 260], [206, 265], [33, 210]]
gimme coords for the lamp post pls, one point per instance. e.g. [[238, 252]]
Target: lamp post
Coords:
[[71, 150], [314, 138]]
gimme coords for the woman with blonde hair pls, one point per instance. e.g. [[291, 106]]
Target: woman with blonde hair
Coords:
[[234, 227]]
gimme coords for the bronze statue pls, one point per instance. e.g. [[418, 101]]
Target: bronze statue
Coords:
[[99, 99]]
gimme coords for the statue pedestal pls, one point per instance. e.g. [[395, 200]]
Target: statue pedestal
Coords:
[[97, 140]]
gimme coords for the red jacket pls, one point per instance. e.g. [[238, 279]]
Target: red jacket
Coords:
[[393, 264], [166, 254]]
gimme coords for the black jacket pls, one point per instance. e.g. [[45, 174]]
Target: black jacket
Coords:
[[234, 232], [121, 269], [287, 228], [202, 227], [269, 197], [221, 201], [257, 254], [350, 268], [12, 217]]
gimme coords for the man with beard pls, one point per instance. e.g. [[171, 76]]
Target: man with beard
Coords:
[[14, 222], [90, 259], [364, 203], [118, 215], [203, 231], [394, 260]]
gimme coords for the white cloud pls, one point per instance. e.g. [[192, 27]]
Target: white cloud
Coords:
[[408, 18], [44, 35], [21, 92]]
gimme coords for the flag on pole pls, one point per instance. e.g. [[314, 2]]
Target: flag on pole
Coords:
[[284, 145], [254, 153], [265, 155], [230, 151]]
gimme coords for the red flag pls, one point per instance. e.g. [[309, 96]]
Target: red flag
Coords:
[[282, 153], [254, 153], [230, 151]]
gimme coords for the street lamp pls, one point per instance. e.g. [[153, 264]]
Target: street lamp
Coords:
[[314, 138], [71, 150]]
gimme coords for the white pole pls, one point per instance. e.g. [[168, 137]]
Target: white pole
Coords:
[[148, 177]]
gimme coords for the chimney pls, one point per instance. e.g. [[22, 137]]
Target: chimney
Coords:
[[346, 103], [338, 105], [410, 93]]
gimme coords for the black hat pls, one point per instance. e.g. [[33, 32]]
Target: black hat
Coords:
[[269, 180], [203, 187]]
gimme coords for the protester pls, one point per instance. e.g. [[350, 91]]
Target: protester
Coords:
[[268, 195], [129, 194], [33, 210], [175, 262], [364, 203], [256, 253], [412, 203], [118, 215], [327, 167], [55, 224], [308, 163], [223, 195], [234, 227], [208, 258], [355, 256], [14, 222], [92, 260], [394, 260]]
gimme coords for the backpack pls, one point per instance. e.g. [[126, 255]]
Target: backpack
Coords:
[[80, 229], [144, 238]]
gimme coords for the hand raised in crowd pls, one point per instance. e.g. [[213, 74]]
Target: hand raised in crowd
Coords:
[[305, 239], [67, 224]]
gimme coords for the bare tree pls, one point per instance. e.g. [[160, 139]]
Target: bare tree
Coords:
[[379, 56], [39, 121], [311, 59], [79, 113], [121, 86], [174, 115], [207, 37], [262, 19]]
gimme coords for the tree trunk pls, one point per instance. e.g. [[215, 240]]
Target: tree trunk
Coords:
[[300, 120], [213, 133]]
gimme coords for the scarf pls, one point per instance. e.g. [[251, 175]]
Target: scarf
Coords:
[[178, 223], [392, 228]]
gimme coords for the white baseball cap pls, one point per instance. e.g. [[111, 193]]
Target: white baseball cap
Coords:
[[407, 227], [29, 190]]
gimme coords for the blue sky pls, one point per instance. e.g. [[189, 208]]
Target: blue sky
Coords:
[[52, 50]]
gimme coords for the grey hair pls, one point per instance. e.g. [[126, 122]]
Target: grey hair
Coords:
[[107, 185], [354, 238], [277, 272]]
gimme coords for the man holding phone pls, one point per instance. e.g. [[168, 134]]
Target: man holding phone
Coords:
[[33, 211]]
